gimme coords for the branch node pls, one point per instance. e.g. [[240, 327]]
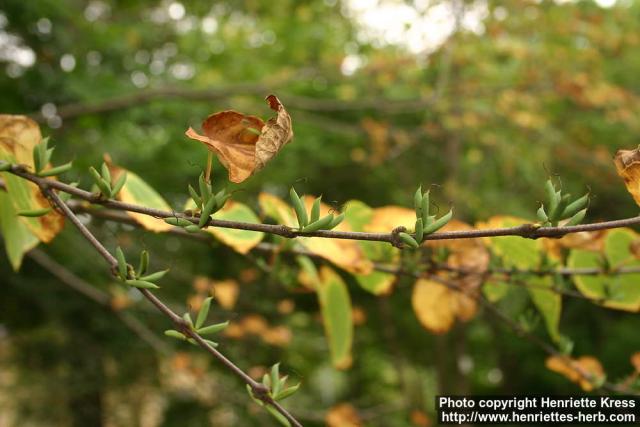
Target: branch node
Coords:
[[287, 232], [395, 238]]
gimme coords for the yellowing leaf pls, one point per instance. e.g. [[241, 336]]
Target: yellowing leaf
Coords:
[[244, 144], [387, 218], [628, 166], [138, 192], [240, 240], [335, 306], [276, 208], [18, 136], [437, 306], [635, 361], [226, 293], [343, 415], [346, 254], [585, 371]]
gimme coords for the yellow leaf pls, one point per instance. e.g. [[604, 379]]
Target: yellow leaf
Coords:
[[244, 144], [585, 371], [276, 208], [226, 293], [628, 166], [18, 136], [138, 192], [635, 361], [343, 415], [240, 240], [437, 307], [387, 218]]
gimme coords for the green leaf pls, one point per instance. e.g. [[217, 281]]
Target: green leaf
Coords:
[[335, 306], [495, 290], [17, 238], [515, 251], [548, 303], [376, 282], [618, 291]]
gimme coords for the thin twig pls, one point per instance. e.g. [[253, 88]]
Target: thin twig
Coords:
[[529, 231], [259, 390]]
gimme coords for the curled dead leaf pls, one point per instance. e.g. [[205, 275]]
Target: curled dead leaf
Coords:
[[244, 144], [628, 166], [585, 371]]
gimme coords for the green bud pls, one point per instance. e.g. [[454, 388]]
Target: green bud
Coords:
[[178, 222], [195, 197], [122, 179], [575, 206], [276, 385], [57, 170], [439, 223], [204, 312], [417, 202], [187, 319], [298, 206], [122, 263], [143, 284], [315, 210], [154, 276], [577, 218], [106, 173], [542, 215], [5, 166], [213, 329], [207, 210], [320, 224], [287, 392], [425, 208], [144, 263], [408, 240], [174, 334], [336, 221], [35, 212], [192, 228], [419, 230]]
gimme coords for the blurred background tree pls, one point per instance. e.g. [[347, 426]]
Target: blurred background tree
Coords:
[[484, 98]]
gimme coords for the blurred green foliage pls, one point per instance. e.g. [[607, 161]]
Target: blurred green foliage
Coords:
[[536, 89]]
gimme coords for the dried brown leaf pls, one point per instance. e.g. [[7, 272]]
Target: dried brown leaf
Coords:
[[244, 144]]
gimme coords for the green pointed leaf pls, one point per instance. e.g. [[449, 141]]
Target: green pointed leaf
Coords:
[[204, 312], [335, 306]]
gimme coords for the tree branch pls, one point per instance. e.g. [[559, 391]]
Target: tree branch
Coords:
[[529, 231]]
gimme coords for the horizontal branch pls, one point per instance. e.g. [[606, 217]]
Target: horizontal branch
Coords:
[[529, 231]]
